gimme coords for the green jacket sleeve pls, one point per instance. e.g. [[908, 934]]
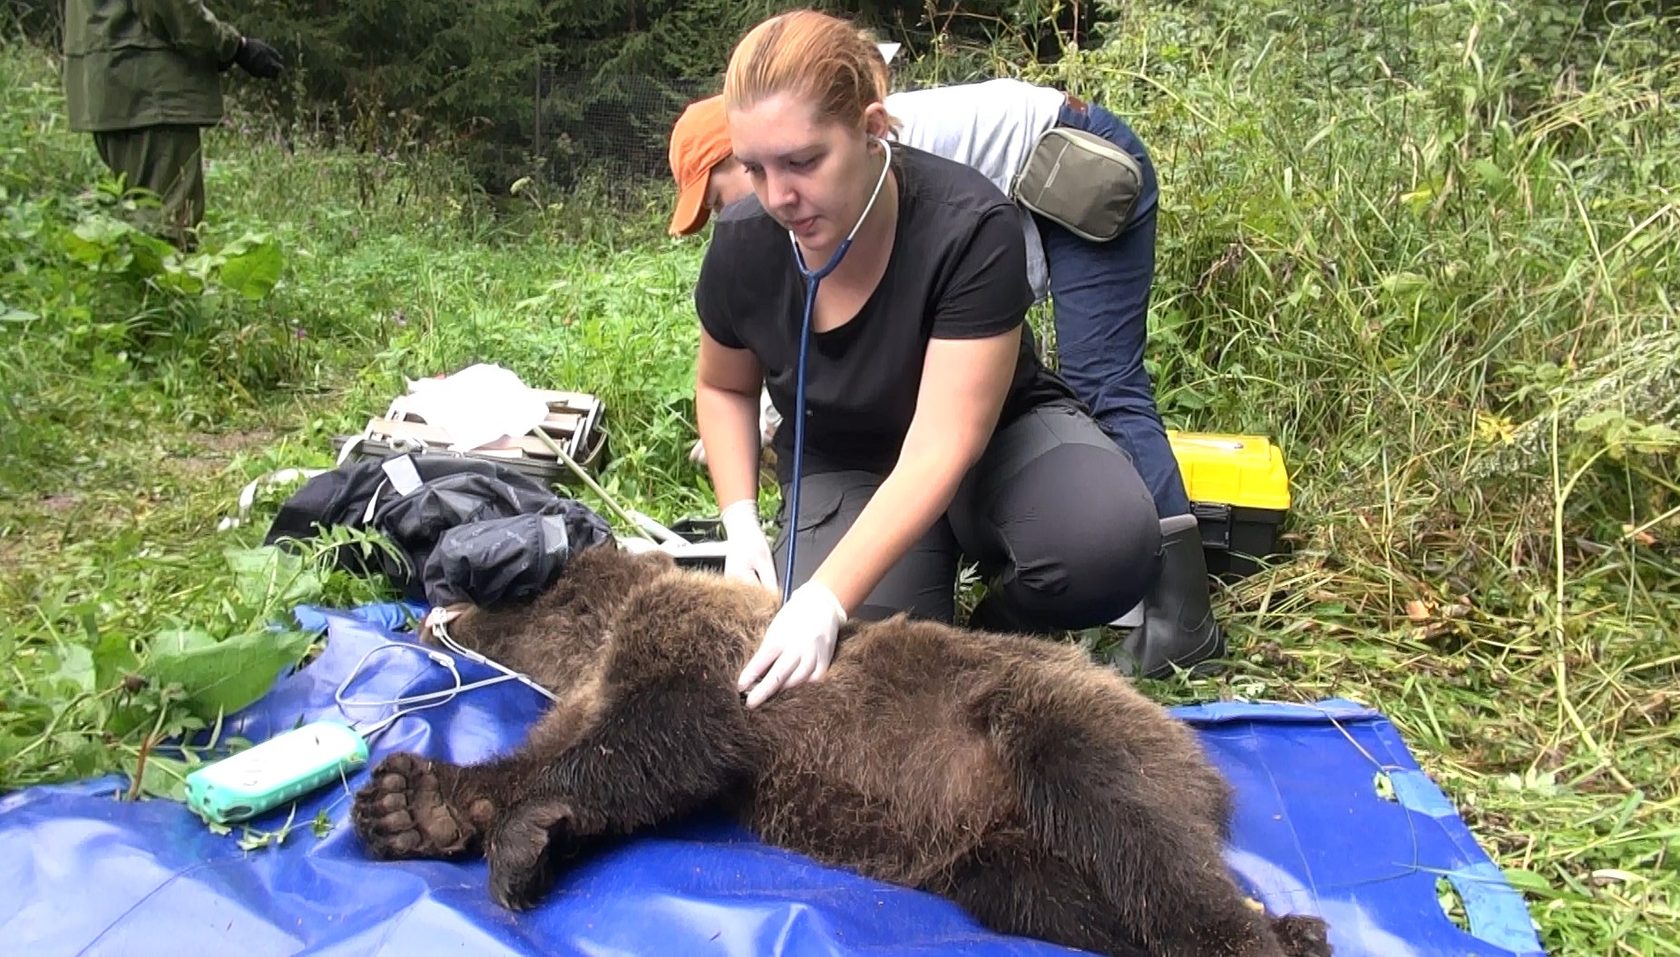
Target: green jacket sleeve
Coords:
[[190, 28]]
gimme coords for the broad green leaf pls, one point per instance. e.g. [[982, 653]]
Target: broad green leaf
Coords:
[[223, 676], [94, 252], [113, 657], [1419, 199], [272, 580], [1490, 174], [254, 271], [173, 278], [150, 254], [176, 640], [86, 754], [102, 231], [75, 667]]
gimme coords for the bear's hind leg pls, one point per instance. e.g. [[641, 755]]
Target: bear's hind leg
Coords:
[[1108, 783], [1012, 887]]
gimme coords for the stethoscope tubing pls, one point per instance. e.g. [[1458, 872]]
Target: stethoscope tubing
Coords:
[[812, 279]]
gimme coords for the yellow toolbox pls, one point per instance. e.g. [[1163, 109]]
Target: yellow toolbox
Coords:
[[1239, 492]]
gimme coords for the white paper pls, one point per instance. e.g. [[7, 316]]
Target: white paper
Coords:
[[404, 477], [480, 405]]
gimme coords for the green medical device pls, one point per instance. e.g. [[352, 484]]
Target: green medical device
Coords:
[[283, 768]]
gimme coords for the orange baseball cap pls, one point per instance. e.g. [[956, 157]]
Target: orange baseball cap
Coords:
[[699, 141]]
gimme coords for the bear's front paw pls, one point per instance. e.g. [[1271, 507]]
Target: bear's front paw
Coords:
[[404, 811], [521, 852]]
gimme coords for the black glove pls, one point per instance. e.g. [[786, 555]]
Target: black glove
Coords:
[[258, 59]]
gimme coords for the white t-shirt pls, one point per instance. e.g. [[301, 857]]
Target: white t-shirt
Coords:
[[990, 126]]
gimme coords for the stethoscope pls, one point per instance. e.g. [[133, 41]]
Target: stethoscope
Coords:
[[812, 278]]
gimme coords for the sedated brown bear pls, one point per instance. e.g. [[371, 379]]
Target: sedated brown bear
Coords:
[[1013, 775]]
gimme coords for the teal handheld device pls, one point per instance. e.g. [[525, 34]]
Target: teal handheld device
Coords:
[[283, 768]]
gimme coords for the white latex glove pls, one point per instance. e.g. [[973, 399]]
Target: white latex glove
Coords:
[[798, 645], [747, 552]]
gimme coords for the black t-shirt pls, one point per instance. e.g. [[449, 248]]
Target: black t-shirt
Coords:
[[958, 270]]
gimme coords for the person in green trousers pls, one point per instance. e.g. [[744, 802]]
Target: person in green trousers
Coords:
[[143, 76]]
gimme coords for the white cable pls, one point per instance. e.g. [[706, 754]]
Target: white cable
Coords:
[[411, 703], [441, 630]]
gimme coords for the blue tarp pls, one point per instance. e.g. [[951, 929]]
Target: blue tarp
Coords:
[[84, 873]]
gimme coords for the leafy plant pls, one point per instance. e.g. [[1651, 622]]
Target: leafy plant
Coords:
[[225, 666]]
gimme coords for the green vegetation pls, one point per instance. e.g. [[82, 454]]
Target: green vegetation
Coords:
[[1430, 250]]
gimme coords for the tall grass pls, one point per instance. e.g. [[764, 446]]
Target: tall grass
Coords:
[[1432, 250], [1429, 249]]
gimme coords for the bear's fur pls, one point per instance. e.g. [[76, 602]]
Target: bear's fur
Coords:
[[1012, 775]]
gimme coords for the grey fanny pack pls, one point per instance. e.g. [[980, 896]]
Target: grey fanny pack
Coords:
[[1080, 181]]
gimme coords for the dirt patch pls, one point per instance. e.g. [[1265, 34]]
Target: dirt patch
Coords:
[[213, 450], [58, 504], [194, 467], [29, 541], [224, 444]]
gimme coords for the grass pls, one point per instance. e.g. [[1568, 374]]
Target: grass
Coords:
[[1431, 251]]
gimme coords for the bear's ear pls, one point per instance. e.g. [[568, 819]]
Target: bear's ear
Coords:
[[610, 566], [659, 559], [640, 554]]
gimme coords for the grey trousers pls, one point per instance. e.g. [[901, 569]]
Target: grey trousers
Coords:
[[1054, 514], [169, 161]]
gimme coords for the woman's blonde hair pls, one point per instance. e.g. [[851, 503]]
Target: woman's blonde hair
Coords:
[[814, 56]]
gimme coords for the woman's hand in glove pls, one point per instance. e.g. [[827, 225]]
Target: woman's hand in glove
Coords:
[[747, 555], [798, 645]]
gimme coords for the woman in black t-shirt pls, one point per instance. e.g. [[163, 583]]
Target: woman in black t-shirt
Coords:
[[931, 429]]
